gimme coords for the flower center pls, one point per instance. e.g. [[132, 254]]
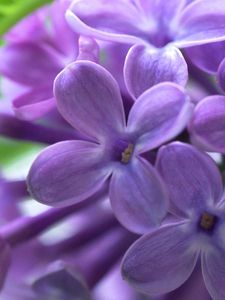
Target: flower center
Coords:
[[127, 154], [207, 221]]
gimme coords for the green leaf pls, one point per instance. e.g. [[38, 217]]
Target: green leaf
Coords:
[[12, 11], [16, 157]]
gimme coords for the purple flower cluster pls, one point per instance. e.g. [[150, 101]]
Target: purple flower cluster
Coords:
[[128, 97]]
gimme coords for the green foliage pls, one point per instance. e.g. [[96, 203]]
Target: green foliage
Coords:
[[12, 11], [17, 156]]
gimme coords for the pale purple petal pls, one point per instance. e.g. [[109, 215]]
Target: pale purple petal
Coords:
[[31, 27], [137, 196], [106, 20], [207, 57], [158, 115], [213, 269], [165, 15], [88, 49], [29, 63], [201, 22], [67, 172], [34, 104], [161, 261], [191, 176], [221, 74], [89, 98], [69, 46], [207, 127], [146, 66]]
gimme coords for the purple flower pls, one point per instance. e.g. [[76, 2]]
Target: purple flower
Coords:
[[156, 30], [164, 259], [34, 62], [68, 172], [207, 127]]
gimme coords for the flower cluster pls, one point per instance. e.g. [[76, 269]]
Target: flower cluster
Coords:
[[127, 99]]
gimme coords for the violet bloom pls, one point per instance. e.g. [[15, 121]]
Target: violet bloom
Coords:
[[88, 97], [34, 62], [156, 30], [207, 127], [162, 260]]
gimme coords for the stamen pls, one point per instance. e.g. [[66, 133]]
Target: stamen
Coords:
[[207, 221], [127, 153]]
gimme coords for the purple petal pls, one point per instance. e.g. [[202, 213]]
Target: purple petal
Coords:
[[161, 261], [158, 115], [69, 47], [213, 262], [138, 196], [88, 49], [31, 27], [145, 66], [4, 260], [67, 172], [192, 178], [62, 282], [207, 57], [34, 104], [165, 15], [207, 127], [201, 22], [29, 63], [111, 21], [193, 288], [221, 75], [89, 98]]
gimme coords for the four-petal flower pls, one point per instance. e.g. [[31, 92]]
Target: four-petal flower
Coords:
[[162, 260], [88, 97]]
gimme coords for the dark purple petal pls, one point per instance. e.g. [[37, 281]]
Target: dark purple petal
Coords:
[[111, 21], [4, 261], [201, 22], [61, 282], [34, 104], [213, 269], [112, 58], [158, 115], [89, 98], [207, 57], [67, 172], [207, 127], [161, 261], [29, 63], [193, 288], [221, 75], [138, 196], [192, 178], [146, 66]]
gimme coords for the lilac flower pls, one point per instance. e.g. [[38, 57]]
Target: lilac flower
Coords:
[[159, 32], [164, 259], [34, 63], [88, 98], [207, 127]]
